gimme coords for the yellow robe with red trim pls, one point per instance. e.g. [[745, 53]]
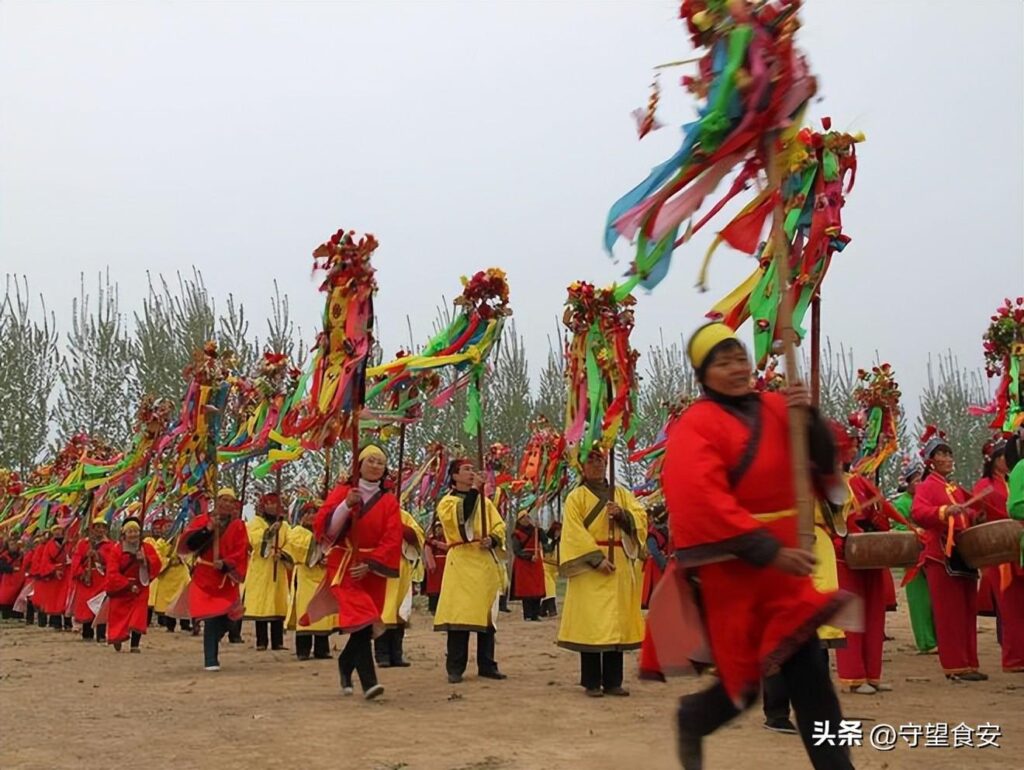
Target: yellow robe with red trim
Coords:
[[305, 581], [173, 576], [825, 574], [398, 596], [600, 613], [473, 576], [266, 598]]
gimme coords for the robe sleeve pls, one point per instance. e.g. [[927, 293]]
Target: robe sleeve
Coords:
[[412, 532], [579, 548], [929, 508], [47, 561], [497, 524], [78, 560], [296, 544], [990, 506], [153, 561], [322, 520], [116, 581], [707, 519], [195, 537], [384, 558], [636, 523], [234, 549], [448, 511]]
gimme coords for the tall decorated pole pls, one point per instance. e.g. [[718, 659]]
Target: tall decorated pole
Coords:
[[336, 378]]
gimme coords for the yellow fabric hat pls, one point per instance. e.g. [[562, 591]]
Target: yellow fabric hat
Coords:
[[101, 520], [372, 450], [227, 492], [129, 526], [705, 339]]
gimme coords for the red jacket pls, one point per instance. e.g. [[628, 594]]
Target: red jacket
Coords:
[[214, 592], [12, 576], [931, 499]]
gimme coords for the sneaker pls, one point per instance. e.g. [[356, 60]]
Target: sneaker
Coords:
[[594, 692], [347, 690], [403, 663], [117, 647], [261, 648], [373, 692], [781, 725], [454, 678], [971, 676], [620, 692], [881, 686], [863, 689], [134, 649], [302, 656], [278, 648], [211, 668]]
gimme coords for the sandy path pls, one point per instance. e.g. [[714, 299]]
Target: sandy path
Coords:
[[64, 703]]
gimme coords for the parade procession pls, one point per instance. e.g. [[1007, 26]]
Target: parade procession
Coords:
[[376, 542]]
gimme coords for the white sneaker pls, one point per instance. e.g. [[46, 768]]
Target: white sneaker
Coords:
[[373, 692], [864, 689], [881, 686], [347, 690], [211, 668]]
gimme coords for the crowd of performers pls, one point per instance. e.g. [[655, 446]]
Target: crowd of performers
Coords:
[[748, 603]]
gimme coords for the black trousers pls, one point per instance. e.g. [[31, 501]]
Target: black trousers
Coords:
[[136, 639], [389, 648], [318, 644], [458, 652], [531, 608], [775, 696], [172, 623], [358, 656], [89, 631], [42, 619], [276, 634], [30, 613], [213, 631], [810, 690], [601, 669], [56, 621], [8, 613], [235, 631], [549, 608], [432, 603]]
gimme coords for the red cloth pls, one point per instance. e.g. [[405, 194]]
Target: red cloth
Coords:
[[372, 537], [52, 577], [127, 593], [931, 498], [87, 580], [955, 606], [860, 660], [13, 577], [755, 616], [212, 592], [438, 548], [527, 574]]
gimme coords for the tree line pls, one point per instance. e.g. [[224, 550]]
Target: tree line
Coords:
[[57, 382]]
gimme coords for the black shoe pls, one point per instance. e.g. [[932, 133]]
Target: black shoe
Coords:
[[454, 678], [594, 692], [690, 751], [322, 656], [236, 640], [403, 663], [302, 655], [261, 648], [383, 664], [620, 691], [780, 725], [492, 674], [278, 648]]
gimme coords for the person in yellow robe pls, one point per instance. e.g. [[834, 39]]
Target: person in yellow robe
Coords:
[[310, 568], [602, 532], [269, 573], [172, 579], [473, 574], [388, 647]]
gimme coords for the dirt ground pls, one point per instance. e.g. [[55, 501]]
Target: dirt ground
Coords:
[[65, 703]]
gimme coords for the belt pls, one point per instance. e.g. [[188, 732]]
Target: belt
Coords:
[[775, 515], [606, 543], [346, 560]]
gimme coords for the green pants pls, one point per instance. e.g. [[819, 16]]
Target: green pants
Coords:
[[921, 619]]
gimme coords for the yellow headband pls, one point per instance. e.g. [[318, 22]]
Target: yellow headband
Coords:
[[705, 339], [100, 520], [130, 526], [227, 492], [372, 450]]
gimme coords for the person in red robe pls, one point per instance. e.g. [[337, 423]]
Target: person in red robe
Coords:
[[1005, 582], [657, 553], [220, 543], [859, 661], [939, 508], [435, 554], [33, 549], [52, 576], [131, 565], [360, 527], [729, 491], [528, 566], [12, 577], [88, 568]]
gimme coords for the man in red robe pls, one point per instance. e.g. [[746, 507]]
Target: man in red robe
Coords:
[[52, 578], [12, 576], [88, 568], [221, 545], [939, 509], [728, 483], [528, 566], [131, 564]]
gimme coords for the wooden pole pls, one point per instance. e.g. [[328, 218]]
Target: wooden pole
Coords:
[[355, 447], [484, 523], [611, 521], [816, 350], [145, 491], [787, 336], [327, 471]]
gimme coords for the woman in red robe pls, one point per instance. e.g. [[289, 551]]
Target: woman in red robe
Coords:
[[88, 565], [1005, 582], [360, 527], [50, 594], [131, 565], [528, 566], [939, 509], [728, 483], [220, 544], [435, 554]]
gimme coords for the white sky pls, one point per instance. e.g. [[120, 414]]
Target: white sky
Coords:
[[236, 136]]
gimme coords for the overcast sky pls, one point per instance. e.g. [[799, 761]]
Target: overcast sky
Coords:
[[236, 136]]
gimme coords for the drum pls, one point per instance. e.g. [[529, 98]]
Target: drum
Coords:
[[995, 542], [875, 550]]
